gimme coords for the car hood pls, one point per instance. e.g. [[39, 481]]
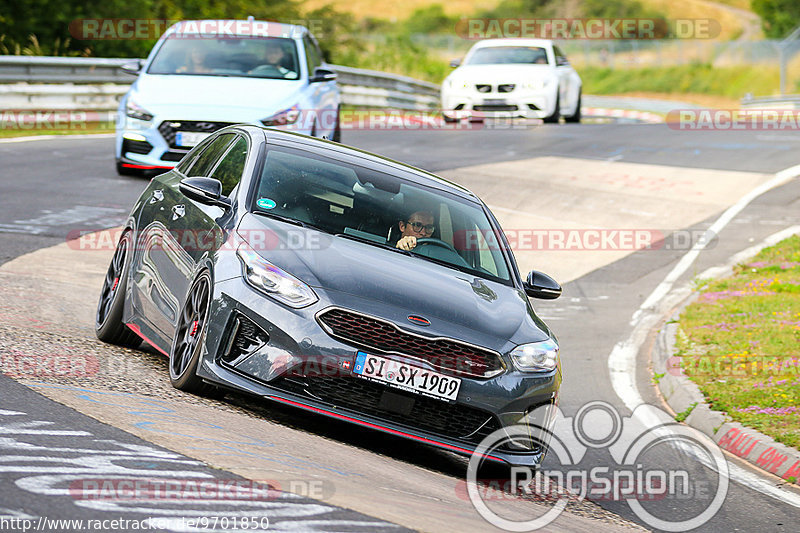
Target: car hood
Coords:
[[394, 285], [214, 97], [501, 73]]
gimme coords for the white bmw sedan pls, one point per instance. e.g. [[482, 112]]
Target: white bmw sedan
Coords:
[[528, 78]]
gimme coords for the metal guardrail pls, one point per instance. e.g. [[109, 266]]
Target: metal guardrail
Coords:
[[97, 84], [773, 102]]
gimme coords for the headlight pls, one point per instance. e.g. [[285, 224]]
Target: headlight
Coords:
[[536, 356], [273, 281], [134, 110], [456, 84], [287, 116], [537, 85]]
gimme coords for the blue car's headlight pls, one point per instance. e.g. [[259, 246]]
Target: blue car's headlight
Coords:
[[536, 356], [272, 281], [134, 110], [281, 118]]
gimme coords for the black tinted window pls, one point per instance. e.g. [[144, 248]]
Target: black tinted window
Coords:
[[312, 55], [208, 159], [230, 169]]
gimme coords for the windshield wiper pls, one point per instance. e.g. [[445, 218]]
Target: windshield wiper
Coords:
[[372, 242], [288, 220], [282, 218]]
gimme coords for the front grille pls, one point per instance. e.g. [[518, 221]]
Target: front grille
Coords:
[[136, 147], [173, 155], [483, 88], [169, 128], [495, 107], [448, 355], [418, 412], [505, 88]]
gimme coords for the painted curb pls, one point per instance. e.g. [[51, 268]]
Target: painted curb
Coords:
[[681, 393]]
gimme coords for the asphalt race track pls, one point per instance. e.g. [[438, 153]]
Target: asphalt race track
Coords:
[[562, 177]]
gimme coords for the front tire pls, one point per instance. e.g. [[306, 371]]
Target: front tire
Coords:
[[337, 130], [553, 118], [190, 334], [108, 324], [576, 117]]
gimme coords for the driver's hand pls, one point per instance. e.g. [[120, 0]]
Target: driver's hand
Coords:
[[407, 243]]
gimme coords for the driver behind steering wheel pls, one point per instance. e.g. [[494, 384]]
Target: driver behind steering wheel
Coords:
[[419, 225]]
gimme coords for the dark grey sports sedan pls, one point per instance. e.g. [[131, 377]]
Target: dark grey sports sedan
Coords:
[[336, 281]]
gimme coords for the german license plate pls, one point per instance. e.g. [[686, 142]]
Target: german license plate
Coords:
[[189, 138], [494, 101], [406, 377]]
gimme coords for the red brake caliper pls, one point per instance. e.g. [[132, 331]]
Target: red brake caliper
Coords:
[[116, 282], [194, 329]]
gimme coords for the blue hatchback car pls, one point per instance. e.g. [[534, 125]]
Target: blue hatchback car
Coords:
[[204, 75]]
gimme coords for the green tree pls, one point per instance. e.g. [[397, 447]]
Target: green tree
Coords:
[[778, 17]]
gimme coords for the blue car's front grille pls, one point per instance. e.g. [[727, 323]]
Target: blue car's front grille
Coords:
[[169, 128]]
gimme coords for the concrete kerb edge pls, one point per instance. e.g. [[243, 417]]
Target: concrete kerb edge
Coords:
[[682, 394]]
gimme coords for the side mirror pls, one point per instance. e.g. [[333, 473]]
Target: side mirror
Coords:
[[540, 285], [455, 63], [204, 190], [133, 68], [322, 74]]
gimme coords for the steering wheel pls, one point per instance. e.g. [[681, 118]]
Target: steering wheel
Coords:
[[436, 242], [452, 254]]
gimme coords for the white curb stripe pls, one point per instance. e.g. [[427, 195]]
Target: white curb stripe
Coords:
[[622, 359]]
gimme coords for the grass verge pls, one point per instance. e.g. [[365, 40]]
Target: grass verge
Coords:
[[728, 82], [740, 342], [10, 133]]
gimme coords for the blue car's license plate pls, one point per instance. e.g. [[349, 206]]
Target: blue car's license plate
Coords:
[[406, 377]]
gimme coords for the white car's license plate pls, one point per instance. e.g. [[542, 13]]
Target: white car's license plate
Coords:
[[189, 138], [494, 101], [406, 377]]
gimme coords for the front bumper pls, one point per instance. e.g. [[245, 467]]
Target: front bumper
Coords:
[[520, 104], [278, 370], [154, 145]]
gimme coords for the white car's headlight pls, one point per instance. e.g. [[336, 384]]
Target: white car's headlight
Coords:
[[135, 111], [457, 84], [281, 118], [273, 281], [537, 85], [536, 356]]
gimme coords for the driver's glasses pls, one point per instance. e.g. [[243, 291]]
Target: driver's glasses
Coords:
[[419, 226]]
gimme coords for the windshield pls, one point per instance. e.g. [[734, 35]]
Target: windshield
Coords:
[[251, 57], [371, 207], [501, 55]]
